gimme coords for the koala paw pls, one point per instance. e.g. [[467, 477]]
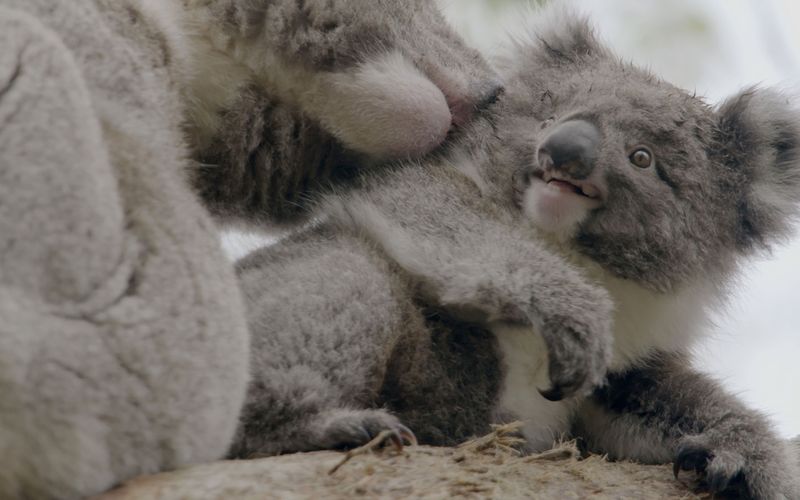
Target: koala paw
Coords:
[[342, 429], [578, 347], [753, 473]]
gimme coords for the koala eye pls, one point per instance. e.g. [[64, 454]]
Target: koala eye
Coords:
[[548, 122], [641, 157]]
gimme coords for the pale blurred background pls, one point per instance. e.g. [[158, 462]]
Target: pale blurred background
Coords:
[[713, 47]]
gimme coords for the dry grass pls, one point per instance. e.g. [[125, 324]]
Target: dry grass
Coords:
[[485, 467]]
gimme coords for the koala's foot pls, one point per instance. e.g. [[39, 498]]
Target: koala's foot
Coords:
[[343, 429], [757, 472]]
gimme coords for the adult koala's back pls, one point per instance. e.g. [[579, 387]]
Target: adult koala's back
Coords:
[[122, 344]]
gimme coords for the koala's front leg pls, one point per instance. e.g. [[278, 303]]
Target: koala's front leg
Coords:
[[518, 281], [665, 411], [468, 257]]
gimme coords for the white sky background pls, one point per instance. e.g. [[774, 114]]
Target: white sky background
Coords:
[[714, 47]]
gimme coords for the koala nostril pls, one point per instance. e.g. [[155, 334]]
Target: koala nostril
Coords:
[[571, 146], [491, 96]]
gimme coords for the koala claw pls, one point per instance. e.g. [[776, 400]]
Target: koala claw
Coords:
[[727, 472], [406, 435], [578, 359], [691, 458], [559, 391], [353, 428]]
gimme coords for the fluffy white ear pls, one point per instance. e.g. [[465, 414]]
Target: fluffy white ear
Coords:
[[759, 139]]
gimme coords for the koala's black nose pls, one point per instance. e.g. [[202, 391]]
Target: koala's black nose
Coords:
[[572, 148]]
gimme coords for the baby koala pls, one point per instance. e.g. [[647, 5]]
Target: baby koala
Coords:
[[477, 288]]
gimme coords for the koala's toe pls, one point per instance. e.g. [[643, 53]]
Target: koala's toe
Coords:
[[352, 428]]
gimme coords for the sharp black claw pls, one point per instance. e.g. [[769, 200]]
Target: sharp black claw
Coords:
[[690, 459], [552, 394]]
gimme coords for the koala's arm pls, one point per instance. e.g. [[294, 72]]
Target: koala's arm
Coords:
[[665, 411], [475, 260], [278, 90]]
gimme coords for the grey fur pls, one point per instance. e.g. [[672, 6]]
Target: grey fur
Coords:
[[355, 331], [301, 135], [123, 344], [378, 297], [267, 160], [124, 348], [692, 420]]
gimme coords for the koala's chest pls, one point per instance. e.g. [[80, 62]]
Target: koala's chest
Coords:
[[524, 357]]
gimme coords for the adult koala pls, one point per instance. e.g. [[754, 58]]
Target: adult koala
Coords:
[[291, 96], [443, 295], [123, 345]]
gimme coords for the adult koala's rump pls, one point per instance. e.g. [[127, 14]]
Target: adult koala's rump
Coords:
[[428, 299], [123, 345]]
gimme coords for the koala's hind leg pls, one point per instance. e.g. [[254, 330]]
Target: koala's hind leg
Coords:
[[667, 412], [325, 313]]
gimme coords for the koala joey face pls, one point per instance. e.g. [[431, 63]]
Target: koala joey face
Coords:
[[640, 176]]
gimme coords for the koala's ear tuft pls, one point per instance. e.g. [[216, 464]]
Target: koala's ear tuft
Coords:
[[759, 140], [561, 36]]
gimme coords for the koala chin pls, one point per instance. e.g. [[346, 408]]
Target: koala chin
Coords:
[[556, 265], [562, 191]]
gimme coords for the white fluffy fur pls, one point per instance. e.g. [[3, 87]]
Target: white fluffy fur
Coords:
[[643, 321], [525, 358]]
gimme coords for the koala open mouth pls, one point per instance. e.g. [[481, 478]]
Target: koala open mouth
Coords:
[[569, 185]]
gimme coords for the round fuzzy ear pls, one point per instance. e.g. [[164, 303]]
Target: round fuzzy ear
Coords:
[[759, 138], [559, 36]]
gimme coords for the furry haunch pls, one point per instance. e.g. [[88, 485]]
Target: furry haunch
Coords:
[[556, 265], [290, 96], [123, 344]]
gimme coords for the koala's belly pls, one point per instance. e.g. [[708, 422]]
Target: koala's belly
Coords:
[[524, 357]]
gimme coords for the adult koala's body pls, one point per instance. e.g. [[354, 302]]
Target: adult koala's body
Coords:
[[428, 299], [123, 346], [122, 333]]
